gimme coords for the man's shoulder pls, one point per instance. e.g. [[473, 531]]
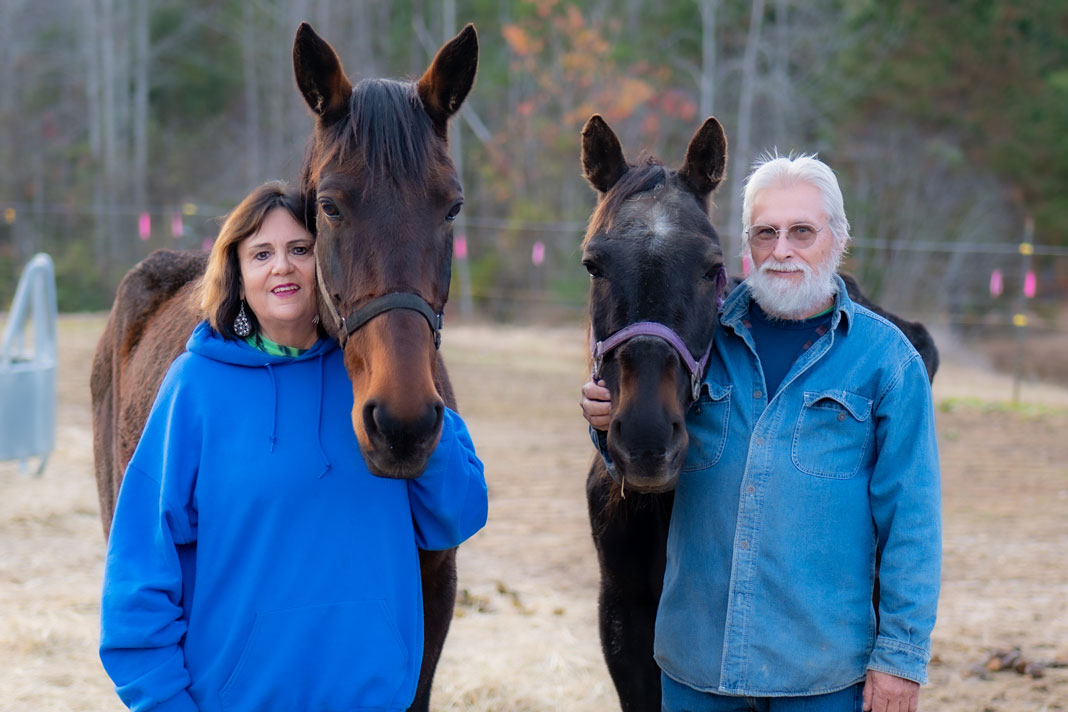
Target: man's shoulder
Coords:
[[872, 325], [879, 339]]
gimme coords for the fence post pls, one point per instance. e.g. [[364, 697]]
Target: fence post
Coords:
[[1019, 319]]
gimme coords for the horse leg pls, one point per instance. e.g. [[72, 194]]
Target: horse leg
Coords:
[[438, 569], [631, 537]]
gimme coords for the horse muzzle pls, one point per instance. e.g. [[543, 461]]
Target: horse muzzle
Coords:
[[397, 447], [648, 466]]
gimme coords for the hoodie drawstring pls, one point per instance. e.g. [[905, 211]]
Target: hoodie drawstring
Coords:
[[273, 437], [319, 418], [274, 410]]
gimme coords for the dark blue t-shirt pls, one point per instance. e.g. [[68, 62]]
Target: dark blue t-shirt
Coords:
[[779, 341]]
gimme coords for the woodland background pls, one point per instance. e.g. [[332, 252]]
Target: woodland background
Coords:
[[127, 125]]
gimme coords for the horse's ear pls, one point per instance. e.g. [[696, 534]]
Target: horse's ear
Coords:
[[449, 78], [603, 163], [706, 159], [320, 77]]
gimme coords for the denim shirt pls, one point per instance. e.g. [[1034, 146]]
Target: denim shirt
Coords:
[[782, 505]]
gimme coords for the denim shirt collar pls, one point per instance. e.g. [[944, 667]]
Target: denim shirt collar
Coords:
[[736, 307]]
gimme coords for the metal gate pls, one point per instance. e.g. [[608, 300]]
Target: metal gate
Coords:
[[28, 357]]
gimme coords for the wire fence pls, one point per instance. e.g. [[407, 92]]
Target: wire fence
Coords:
[[517, 269]]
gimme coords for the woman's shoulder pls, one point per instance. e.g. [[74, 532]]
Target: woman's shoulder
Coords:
[[192, 373]]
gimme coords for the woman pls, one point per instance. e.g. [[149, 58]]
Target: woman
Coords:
[[254, 563]]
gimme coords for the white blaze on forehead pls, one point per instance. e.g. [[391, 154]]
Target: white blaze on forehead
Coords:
[[660, 228]]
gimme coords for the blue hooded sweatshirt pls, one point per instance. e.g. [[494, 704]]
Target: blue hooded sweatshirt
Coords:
[[254, 562]]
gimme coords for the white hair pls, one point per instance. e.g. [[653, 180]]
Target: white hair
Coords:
[[772, 170]]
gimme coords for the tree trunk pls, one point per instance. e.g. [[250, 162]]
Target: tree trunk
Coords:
[[109, 135], [250, 35], [708, 57], [463, 271], [739, 155], [780, 89], [141, 62]]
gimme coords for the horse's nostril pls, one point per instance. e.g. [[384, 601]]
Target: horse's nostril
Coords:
[[370, 424], [399, 432], [439, 415]]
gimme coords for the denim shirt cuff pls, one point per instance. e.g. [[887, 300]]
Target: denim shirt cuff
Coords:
[[600, 441], [900, 659]]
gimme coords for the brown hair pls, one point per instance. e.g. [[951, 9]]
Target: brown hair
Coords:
[[220, 290]]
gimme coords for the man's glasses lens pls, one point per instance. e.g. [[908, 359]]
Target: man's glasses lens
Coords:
[[801, 234]]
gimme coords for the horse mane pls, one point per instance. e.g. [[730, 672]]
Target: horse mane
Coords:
[[644, 176], [387, 127]]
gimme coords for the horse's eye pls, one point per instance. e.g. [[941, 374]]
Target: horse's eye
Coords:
[[592, 268], [454, 211], [329, 208], [714, 274]]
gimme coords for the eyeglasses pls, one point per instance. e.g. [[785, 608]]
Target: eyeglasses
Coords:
[[799, 235]]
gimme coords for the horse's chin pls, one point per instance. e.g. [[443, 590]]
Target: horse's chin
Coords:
[[648, 485], [649, 474], [382, 462], [648, 477]]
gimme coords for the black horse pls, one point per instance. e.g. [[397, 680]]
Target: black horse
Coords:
[[657, 278]]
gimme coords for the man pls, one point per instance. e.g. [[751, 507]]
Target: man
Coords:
[[812, 451]]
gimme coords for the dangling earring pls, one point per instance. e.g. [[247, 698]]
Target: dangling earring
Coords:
[[242, 325]]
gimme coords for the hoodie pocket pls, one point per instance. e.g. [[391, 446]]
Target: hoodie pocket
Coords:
[[334, 657], [833, 434]]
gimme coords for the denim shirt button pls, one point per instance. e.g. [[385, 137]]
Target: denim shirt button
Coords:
[[759, 441], [841, 416], [757, 394], [744, 544], [750, 489]]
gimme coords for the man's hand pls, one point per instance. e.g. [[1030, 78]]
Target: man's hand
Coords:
[[888, 693], [596, 407]]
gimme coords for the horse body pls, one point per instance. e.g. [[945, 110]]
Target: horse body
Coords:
[[382, 194], [146, 330], [653, 256]]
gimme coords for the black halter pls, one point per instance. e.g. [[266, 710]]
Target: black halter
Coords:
[[346, 326]]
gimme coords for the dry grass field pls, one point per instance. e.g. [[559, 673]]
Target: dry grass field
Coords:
[[524, 637]]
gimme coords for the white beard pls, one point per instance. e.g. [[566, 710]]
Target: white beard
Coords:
[[783, 299]]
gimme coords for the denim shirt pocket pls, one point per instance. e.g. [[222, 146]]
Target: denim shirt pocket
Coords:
[[706, 424], [833, 436]]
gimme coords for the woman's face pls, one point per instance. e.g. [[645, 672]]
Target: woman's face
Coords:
[[278, 279]]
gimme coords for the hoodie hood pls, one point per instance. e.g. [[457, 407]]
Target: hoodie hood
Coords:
[[207, 342]]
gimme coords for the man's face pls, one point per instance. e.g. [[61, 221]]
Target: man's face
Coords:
[[791, 281]]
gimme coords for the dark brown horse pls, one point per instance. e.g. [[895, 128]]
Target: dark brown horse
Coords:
[[382, 194], [656, 279]]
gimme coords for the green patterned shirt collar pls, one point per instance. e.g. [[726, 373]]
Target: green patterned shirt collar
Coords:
[[258, 341]]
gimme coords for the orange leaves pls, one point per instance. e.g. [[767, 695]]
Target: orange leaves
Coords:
[[520, 41]]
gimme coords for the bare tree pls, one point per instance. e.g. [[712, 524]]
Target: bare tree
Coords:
[[740, 150], [141, 65], [707, 77], [250, 36]]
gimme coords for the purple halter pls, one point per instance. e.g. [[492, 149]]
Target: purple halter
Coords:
[[696, 368]]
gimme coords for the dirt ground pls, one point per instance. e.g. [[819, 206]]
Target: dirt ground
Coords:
[[524, 637]]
